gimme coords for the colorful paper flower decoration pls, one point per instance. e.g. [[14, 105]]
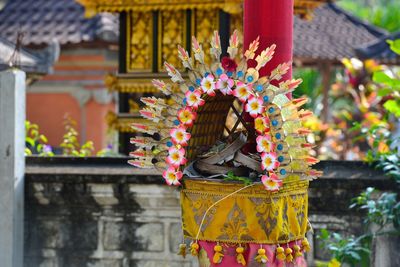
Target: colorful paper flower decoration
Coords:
[[172, 176], [274, 114]]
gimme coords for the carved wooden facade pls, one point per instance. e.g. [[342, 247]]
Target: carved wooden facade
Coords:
[[150, 31]]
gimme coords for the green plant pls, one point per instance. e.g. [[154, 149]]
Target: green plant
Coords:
[[35, 142], [381, 211], [70, 143], [232, 177], [384, 154], [382, 13], [350, 250], [108, 152]]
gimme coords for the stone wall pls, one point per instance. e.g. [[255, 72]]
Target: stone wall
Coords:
[[101, 212]]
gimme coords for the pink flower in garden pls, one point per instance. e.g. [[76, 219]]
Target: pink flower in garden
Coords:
[[264, 144], [269, 161], [172, 176], [254, 106], [261, 124], [186, 116], [271, 182], [176, 157], [242, 91], [208, 85], [193, 99], [224, 84], [228, 64], [179, 136]]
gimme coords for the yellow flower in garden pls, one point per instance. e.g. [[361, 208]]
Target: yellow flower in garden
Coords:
[[371, 66], [315, 124], [334, 263], [383, 147]]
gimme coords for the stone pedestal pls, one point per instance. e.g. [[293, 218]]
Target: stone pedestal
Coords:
[[12, 167]]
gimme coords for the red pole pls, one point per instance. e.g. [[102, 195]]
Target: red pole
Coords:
[[272, 20]]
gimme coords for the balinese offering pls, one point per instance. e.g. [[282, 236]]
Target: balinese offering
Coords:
[[235, 143]]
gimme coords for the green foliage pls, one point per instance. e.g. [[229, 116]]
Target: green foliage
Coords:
[[382, 13], [311, 86], [107, 152], [70, 143], [390, 165], [394, 45], [386, 159], [381, 211], [231, 177], [350, 250], [36, 143]]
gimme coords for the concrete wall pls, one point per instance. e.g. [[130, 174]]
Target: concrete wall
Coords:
[[101, 212]]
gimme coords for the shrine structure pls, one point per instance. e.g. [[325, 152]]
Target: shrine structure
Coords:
[[151, 30]]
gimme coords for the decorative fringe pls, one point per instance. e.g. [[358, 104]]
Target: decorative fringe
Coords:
[[305, 244], [261, 257], [280, 253], [182, 250], [297, 252], [194, 249], [289, 256], [239, 257], [218, 255]]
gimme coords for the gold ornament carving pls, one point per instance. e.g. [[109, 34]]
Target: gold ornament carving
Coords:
[[172, 32], [95, 6], [205, 23], [139, 38]]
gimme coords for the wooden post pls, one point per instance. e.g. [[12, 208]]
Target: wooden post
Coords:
[[272, 21], [12, 167]]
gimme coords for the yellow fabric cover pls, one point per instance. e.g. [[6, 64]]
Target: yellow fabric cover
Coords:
[[252, 215]]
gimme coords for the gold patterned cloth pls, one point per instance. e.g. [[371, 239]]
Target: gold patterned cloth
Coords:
[[252, 215]]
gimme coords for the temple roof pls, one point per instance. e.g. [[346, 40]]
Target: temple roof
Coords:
[[43, 21], [380, 50], [301, 7], [32, 62], [331, 35]]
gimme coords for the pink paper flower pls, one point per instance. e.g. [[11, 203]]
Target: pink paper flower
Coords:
[[186, 116], [271, 182], [208, 85], [242, 91], [224, 84], [172, 176], [254, 106], [264, 144], [179, 136], [269, 161], [261, 124], [176, 157], [193, 99]]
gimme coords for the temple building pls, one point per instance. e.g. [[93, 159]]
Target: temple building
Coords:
[[91, 86], [151, 31], [75, 86]]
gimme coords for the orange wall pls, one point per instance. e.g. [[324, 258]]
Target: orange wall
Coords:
[[50, 99], [96, 127], [48, 111]]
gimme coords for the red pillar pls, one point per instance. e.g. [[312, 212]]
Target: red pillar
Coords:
[[272, 20]]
